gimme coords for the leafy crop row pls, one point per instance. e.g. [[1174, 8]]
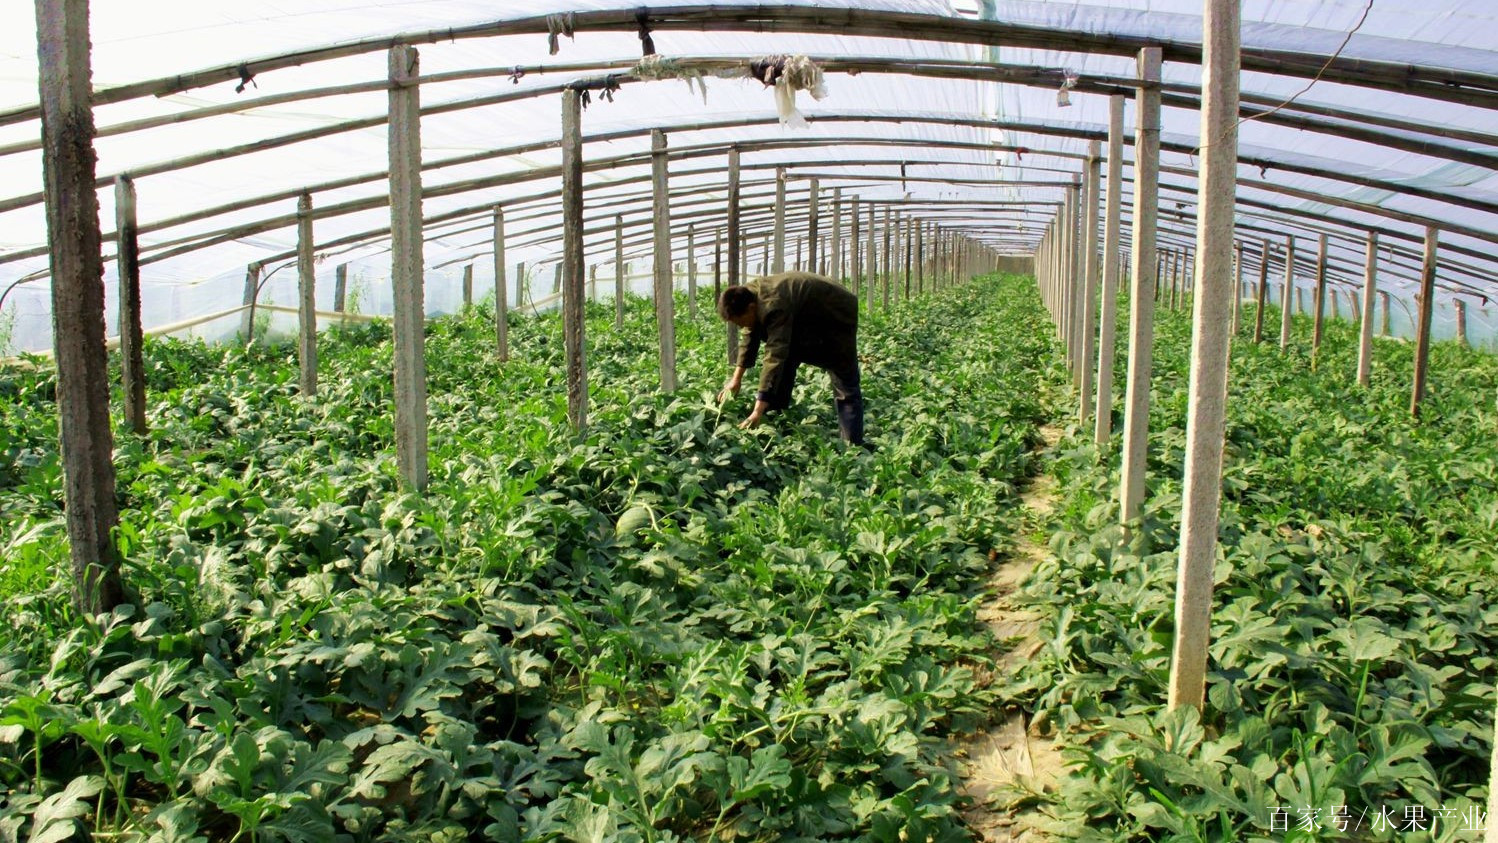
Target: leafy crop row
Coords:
[[1351, 684], [667, 629]]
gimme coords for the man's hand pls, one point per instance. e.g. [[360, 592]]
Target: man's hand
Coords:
[[731, 389], [760, 408]]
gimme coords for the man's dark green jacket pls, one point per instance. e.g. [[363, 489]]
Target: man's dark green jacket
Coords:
[[802, 317]]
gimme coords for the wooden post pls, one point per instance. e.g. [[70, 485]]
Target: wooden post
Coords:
[[1207, 401], [574, 325], [1090, 280], [1286, 304], [1422, 328], [251, 293], [306, 297], [406, 267], [619, 272], [340, 287], [132, 337], [467, 285], [837, 234], [1461, 322], [855, 268], [692, 272], [870, 270], [813, 224], [735, 250], [665, 302], [1143, 278], [889, 246], [501, 288], [1319, 302], [1112, 224], [777, 264], [1261, 294], [1237, 284], [77, 266]]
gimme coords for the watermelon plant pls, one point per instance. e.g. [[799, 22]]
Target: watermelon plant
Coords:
[[664, 629], [1351, 675]]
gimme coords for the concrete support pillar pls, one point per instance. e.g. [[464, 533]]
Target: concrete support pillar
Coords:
[[406, 267]]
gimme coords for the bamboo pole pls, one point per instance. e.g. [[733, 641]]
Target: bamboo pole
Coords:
[[406, 269], [1319, 303], [1209, 354], [574, 323], [1143, 277], [132, 364], [501, 288], [1422, 328], [665, 303], [1112, 223], [1090, 279], [306, 299]]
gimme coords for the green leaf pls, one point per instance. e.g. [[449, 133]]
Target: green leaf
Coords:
[[56, 819]]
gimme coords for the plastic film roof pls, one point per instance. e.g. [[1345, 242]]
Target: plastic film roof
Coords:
[[931, 147]]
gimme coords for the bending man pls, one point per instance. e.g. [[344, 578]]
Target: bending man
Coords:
[[799, 318]]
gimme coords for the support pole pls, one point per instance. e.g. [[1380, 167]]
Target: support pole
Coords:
[[468, 285], [1289, 291], [1385, 297], [837, 234], [501, 288], [132, 337], [574, 325], [1090, 273], [888, 255], [340, 287], [1237, 284], [1261, 295], [1422, 328], [251, 293], [813, 225], [1318, 318], [778, 263], [909, 253], [77, 266], [620, 270], [1461, 322], [1143, 274], [406, 267], [692, 272], [870, 269], [665, 302], [1207, 400], [735, 248], [855, 270], [306, 335], [1112, 224]]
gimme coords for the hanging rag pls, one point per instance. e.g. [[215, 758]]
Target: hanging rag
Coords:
[[653, 67], [789, 74], [1063, 97], [557, 25]]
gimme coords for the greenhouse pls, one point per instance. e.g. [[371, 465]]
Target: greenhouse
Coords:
[[374, 464]]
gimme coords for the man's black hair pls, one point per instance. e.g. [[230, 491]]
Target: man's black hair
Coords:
[[735, 302]]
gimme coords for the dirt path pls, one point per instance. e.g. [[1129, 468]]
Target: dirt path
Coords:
[[1007, 753]]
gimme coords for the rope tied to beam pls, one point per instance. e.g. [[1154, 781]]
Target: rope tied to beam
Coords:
[[245, 78], [556, 25], [653, 67], [647, 44], [789, 74]]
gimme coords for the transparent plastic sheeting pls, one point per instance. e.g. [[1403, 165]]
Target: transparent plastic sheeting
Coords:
[[157, 38]]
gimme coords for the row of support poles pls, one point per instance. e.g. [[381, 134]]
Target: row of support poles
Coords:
[[1089, 286]]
